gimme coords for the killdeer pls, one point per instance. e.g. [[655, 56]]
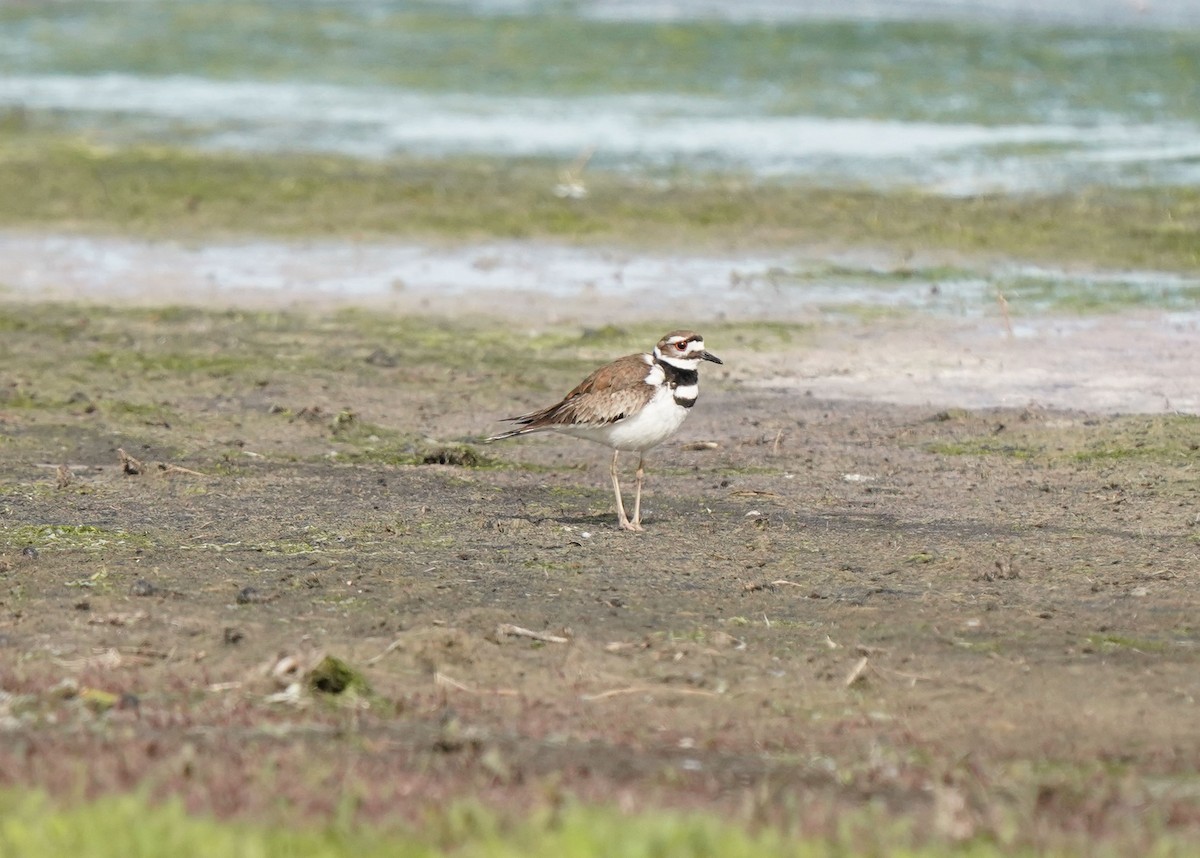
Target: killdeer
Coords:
[[634, 403]]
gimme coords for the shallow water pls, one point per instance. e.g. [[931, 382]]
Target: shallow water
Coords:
[[955, 97], [501, 276]]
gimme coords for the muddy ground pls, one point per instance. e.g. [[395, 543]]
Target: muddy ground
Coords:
[[975, 622]]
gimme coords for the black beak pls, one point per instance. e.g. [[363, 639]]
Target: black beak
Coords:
[[712, 357]]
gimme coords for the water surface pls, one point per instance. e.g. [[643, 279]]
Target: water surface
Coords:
[[979, 95]]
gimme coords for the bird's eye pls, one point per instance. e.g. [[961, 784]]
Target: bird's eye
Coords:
[[681, 346]]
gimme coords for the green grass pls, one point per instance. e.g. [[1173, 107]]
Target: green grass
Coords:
[[128, 827], [68, 537], [982, 447], [1037, 295], [1161, 438], [1166, 438], [59, 182], [1110, 642], [184, 385], [361, 442], [167, 363], [139, 366], [834, 273]]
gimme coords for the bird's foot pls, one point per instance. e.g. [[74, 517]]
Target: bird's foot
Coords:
[[635, 526]]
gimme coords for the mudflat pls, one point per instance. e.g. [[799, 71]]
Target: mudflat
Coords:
[[261, 560]]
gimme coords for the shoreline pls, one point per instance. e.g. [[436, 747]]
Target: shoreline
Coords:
[[895, 341]]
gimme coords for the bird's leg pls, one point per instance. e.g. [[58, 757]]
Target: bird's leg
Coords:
[[622, 519], [636, 524]]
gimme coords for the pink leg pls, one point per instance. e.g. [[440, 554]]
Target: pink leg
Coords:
[[622, 520], [636, 524]]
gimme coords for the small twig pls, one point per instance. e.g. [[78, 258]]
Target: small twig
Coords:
[[179, 469], [918, 677], [783, 581], [444, 681], [649, 689], [855, 673], [516, 631], [392, 647]]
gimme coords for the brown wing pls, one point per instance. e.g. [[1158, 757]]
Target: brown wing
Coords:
[[606, 396]]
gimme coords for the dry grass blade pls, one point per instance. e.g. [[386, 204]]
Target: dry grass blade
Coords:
[[508, 629], [441, 680], [109, 658]]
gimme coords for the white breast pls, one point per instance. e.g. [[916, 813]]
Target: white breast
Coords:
[[654, 424], [687, 391]]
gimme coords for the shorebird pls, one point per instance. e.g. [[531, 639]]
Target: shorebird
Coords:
[[632, 404]]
